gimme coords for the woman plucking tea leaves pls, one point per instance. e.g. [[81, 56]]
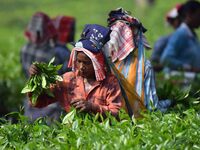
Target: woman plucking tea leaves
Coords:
[[89, 87]]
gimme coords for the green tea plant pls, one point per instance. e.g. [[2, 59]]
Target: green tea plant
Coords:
[[155, 130]]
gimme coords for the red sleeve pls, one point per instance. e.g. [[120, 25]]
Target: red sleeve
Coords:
[[44, 100], [59, 92]]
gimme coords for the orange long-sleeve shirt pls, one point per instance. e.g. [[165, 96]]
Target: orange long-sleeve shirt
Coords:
[[106, 94]]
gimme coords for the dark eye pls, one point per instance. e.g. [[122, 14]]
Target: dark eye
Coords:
[[87, 63], [78, 61]]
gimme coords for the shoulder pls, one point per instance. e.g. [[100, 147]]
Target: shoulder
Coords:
[[177, 37], [62, 50], [180, 32], [111, 80], [68, 76], [161, 42], [163, 38], [26, 47]]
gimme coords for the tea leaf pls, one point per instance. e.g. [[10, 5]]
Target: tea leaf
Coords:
[[51, 61], [44, 82], [69, 117], [26, 89]]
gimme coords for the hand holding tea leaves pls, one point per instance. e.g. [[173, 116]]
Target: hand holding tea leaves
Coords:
[[81, 105], [42, 75]]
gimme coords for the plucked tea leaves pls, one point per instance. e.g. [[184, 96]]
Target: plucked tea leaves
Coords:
[[48, 74]]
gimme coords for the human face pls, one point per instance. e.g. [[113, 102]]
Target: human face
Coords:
[[175, 22], [197, 14], [85, 66], [194, 21]]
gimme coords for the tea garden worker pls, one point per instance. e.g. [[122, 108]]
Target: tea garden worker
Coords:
[[89, 87], [181, 55], [41, 46], [182, 50], [173, 18], [126, 50], [65, 31]]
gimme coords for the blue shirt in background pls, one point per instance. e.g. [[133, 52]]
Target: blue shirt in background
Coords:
[[183, 48], [159, 47]]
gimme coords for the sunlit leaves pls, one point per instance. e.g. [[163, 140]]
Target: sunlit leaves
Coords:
[[41, 82], [83, 131]]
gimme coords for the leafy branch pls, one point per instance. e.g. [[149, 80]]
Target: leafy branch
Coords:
[[48, 74]]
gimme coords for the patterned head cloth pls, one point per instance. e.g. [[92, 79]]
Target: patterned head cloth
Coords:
[[94, 37], [125, 35], [120, 14], [92, 40], [40, 28], [173, 13], [65, 26]]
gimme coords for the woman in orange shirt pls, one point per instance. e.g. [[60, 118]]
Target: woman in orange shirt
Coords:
[[89, 87]]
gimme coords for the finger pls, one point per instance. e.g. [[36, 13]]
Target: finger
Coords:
[[78, 103], [82, 109], [80, 106], [75, 104], [74, 101], [33, 70]]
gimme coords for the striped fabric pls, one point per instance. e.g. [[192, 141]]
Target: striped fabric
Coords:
[[121, 41], [119, 48], [136, 72], [151, 99], [140, 68], [129, 61], [96, 58], [132, 101]]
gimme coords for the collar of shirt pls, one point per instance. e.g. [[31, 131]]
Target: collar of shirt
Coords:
[[80, 82], [188, 30]]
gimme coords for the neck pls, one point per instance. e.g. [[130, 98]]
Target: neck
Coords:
[[91, 80]]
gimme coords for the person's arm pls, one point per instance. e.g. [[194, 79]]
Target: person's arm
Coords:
[[44, 99], [25, 59], [158, 49], [111, 101]]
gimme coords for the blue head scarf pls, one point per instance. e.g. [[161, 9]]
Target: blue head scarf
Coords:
[[94, 37]]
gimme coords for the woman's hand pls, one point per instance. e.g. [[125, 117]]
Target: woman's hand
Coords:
[[82, 105], [33, 70]]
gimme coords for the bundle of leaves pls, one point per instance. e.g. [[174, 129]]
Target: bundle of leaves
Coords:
[[39, 83]]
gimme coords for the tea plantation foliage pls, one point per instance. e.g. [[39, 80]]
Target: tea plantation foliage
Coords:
[[154, 131], [178, 128]]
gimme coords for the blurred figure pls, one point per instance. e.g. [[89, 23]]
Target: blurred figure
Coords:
[[44, 43], [144, 3], [174, 20], [183, 49], [65, 26]]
